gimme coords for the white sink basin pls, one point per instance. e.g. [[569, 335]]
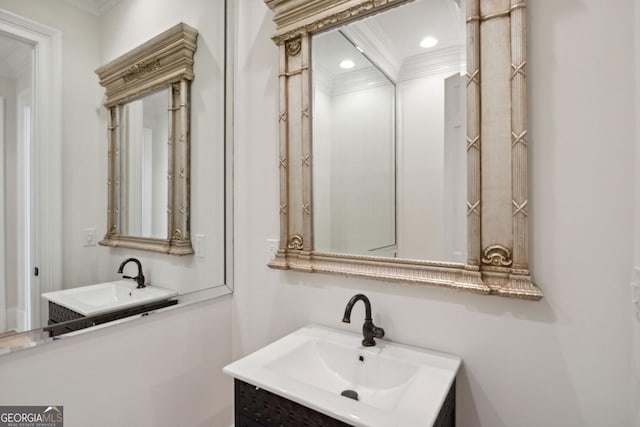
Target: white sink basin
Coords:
[[106, 297], [397, 385]]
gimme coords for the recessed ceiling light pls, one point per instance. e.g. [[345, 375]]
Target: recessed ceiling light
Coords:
[[428, 42], [347, 63]]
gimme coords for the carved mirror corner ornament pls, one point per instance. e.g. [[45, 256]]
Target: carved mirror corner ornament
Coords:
[[497, 199], [164, 62]]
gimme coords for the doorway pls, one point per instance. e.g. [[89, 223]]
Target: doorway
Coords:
[[16, 71], [30, 207]]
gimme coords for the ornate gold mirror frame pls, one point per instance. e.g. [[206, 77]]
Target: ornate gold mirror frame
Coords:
[[497, 196], [166, 61]]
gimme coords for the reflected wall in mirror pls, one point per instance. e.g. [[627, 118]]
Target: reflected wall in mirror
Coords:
[[353, 113], [144, 157], [460, 152], [374, 142], [148, 97]]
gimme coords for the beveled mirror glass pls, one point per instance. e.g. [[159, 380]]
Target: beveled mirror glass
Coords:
[[148, 92], [483, 246]]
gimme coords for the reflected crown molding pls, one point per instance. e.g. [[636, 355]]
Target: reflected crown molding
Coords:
[[440, 61], [354, 81]]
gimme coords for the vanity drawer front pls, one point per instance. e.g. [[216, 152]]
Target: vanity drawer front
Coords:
[[255, 407], [447, 414], [58, 313]]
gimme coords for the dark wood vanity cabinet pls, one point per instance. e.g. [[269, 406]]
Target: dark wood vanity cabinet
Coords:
[[63, 320], [255, 407]]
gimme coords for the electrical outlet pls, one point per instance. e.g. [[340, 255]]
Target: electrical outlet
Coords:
[[90, 237], [272, 248], [200, 246]]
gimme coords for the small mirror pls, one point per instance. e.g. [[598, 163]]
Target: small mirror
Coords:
[[144, 164], [148, 97]]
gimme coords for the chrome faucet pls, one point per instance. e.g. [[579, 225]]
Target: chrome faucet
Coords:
[[139, 278], [369, 330]]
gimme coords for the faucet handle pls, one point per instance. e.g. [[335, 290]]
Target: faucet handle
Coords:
[[371, 331], [378, 332]]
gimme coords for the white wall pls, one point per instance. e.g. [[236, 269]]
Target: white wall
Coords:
[[563, 361], [160, 371]]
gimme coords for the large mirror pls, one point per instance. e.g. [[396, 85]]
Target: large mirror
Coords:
[[57, 196], [426, 185]]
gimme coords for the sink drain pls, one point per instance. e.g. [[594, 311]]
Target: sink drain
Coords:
[[351, 394]]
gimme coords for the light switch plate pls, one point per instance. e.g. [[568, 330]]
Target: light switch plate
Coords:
[[272, 249], [200, 246], [90, 237], [635, 292]]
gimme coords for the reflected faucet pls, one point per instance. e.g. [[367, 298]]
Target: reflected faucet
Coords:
[[139, 278], [369, 330]]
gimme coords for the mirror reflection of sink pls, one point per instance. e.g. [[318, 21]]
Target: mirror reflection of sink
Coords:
[[106, 297], [394, 384]]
